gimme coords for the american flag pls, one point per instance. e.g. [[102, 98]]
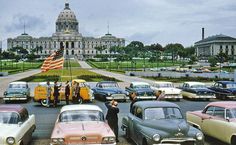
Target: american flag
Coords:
[[54, 61]]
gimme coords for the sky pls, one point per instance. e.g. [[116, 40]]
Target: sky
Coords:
[[148, 21]]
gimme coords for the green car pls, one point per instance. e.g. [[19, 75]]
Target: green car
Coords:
[[159, 122], [17, 91]]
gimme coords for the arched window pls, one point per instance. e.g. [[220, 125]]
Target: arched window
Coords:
[[61, 45], [67, 44], [72, 45], [72, 52], [67, 52]]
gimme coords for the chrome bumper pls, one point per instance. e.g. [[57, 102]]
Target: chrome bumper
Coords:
[[82, 144], [14, 98], [146, 97], [170, 96], [205, 97]]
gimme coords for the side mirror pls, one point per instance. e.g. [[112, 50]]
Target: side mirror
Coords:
[[20, 123]]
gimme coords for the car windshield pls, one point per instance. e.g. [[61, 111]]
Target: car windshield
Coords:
[[231, 113], [9, 118], [164, 85], [230, 86], [162, 113], [81, 115], [17, 86], [109, 85], [198, 86], [142, 86]]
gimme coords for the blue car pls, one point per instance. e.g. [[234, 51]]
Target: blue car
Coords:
[[109, 90], [224, 89]]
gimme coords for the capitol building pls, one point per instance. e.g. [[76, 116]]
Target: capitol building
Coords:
[[67, 34]]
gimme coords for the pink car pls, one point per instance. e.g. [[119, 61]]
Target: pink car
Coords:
[[82, 124]]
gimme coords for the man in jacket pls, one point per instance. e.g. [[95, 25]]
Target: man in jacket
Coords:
[[56, 93], [67, 92], [49, 90], [112, 117]]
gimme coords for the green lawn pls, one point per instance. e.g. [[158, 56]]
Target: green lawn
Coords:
[[72, 63], [128, 64], [64, 75]]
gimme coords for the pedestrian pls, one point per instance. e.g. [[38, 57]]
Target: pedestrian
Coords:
[[160, 95], [133, 99], [77, 91], [56, 93], [67, 92], [49, 91], [112, 116]]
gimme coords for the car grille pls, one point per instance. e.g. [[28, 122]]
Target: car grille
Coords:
[[118, 96], [83, 139], [146, 94], [179, 141]]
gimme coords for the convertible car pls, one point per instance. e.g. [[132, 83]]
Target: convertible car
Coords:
[[16, 125], [142, 90], [159, 122], [224, 89], [81, 124], [109, 90], [217, 120], [17, 91], [197, 90], [169, 90]]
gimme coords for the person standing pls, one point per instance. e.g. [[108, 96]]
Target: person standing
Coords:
[[160, 95], [134, 99], [56, 93], [67, 92], [49, 91], [112, 116]]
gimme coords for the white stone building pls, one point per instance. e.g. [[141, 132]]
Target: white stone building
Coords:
[[67, 34]]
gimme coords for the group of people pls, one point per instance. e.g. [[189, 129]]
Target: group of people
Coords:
[[113, 110], [56, 92]]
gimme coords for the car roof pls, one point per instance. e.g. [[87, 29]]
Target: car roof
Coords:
[[18, 83], [152, 104], [106, 82], [140, 83], [80, 107], [226, 82], [162, 82], [11, 108], [195, 83], [224, 104]]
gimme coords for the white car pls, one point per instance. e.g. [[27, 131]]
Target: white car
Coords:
[[16, 125], [168, 89]]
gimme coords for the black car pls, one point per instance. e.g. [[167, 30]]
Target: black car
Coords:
[[224, 89]]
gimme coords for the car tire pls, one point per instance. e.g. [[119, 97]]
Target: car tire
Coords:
[[178, 99], [6, 102], [233, 140], [43, 102], [80, 100]]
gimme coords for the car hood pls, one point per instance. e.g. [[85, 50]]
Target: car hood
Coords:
[[202, 90], [15, 91], [7, 130], [62, 130], [171, 126], [170, 90], [115, 90], [141, 90]]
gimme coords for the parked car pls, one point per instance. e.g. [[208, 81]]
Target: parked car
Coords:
[[169, 90], [142, 90], [16, 125], [159, 122], [86, 94], [197, 90], [217, 120], [109, 90], [224, 89], [17, 91], [81, 124]]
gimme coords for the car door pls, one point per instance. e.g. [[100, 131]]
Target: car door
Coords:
[[131, 123], [185, 90], [137, 121], [212, 123]]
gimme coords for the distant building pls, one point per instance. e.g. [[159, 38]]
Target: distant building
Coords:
[[213, 45], [67, 34]]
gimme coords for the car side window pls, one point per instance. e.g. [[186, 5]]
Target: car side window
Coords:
[[210, 110], [131, 86], [24, 115], [219, 112], [220, 85], [138, 112], [216, 85], [228, 114]]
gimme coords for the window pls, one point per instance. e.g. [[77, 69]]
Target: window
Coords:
[[67, 44], [67, 52], [209, 110], [24, 115], [72, 52], [138, 112], [221, 49], [219, 112], [72, 45]]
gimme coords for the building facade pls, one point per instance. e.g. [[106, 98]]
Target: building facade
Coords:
[[67, 34], [212, 46]]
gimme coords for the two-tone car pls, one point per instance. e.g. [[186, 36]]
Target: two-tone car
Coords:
[[17, 91], [159, 122], [109, 90], [82, 124], [217, 119], [224, 89], [142, 91], [168, 89], [16, 125], [197, 90]]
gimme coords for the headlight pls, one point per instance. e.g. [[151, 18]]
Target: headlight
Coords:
[[58, 140], [10, 140], [5, 93], [199, 136], [108, 140], [24, 93], [108, 94], [156, 137], [127, 93]]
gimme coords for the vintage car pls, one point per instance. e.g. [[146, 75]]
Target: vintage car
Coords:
[[159, 122], [217, 120], [17, 91], [82, 124], [168, 89], [109, 90], [86, 94], [224, 89], [16, 125], [142, 90], [197, 90]]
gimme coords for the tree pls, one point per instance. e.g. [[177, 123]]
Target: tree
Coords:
[[213, 61], [156, 49], [175, 50]]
